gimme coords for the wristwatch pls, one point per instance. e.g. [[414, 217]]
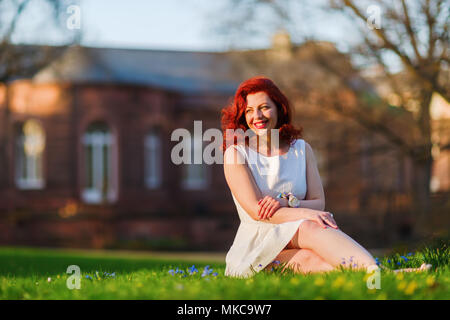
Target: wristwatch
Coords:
[[293, 202]]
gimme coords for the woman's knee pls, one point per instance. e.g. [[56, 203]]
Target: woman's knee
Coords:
[[307, 227], [305, 260], [307, 230], [304, 256]]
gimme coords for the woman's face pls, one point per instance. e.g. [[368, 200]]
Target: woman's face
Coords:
[[261, 113]]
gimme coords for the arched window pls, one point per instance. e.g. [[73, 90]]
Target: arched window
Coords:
[[98, 143], [153, 152], [30, 146], [195, 176]]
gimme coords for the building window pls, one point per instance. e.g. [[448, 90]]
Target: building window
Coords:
[[30, 146], [98, 143], [195, 176], [153, 152]]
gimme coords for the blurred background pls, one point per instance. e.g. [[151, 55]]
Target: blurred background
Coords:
[[90, 92]]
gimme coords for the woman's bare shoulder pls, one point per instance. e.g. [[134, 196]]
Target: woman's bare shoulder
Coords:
[[308, 148], [234, 155]]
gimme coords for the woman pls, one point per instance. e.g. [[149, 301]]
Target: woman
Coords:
[[276, 187]]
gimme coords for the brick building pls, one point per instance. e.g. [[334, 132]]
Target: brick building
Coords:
[[88, 145]]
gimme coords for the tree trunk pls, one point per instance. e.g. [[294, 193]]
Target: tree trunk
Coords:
[[421, 202], [422, 164]]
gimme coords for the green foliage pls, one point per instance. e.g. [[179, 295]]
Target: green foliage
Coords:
[[41, 274]]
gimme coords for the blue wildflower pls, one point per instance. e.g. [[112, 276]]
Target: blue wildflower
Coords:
[[276, 261], [88, 277], [215, 274], [179, 271], [389, 260], [171, 271], [109, 275], [410, 254], [207, 271], [398, 263], [192, 270], [260, 265]]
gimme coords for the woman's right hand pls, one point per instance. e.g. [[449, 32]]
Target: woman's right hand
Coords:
[[323, 218]]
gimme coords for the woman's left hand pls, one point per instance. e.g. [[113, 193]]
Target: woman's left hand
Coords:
[[267, 206]]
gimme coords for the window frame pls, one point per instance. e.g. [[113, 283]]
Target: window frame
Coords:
[[34, 177]]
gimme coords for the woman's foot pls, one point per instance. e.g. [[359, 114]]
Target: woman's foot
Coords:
[[423, 267]]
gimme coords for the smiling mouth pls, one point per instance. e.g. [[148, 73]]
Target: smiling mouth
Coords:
[[260, 124]]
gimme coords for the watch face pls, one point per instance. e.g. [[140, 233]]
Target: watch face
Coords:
[[294, 202]]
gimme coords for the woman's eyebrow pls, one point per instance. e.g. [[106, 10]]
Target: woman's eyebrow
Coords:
[[248, 107]]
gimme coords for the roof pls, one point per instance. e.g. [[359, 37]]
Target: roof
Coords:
[[190, 71], [173, 70]]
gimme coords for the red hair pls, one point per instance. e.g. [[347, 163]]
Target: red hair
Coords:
[[233, 116]]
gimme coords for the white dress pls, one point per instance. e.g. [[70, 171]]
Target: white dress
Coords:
[[257, 243]]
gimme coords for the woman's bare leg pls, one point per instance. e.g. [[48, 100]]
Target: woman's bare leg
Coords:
[[423, 267], [301, 261], [332, 245], [320, 249]]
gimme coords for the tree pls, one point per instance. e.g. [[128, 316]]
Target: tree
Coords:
[[416, 33]]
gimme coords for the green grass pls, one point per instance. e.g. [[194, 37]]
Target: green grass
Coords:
[[24, 274]]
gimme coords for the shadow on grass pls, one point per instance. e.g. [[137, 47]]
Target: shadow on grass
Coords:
[[24, 262]]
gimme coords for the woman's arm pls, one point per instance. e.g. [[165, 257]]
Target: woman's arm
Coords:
[[316, 204], [312, 208], [244, 188], [240, 181], [315, 195], [286, 214]]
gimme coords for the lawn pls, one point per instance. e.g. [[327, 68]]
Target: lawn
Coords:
[[29, 273]]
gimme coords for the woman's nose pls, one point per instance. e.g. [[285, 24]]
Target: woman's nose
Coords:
[[257, 114]]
